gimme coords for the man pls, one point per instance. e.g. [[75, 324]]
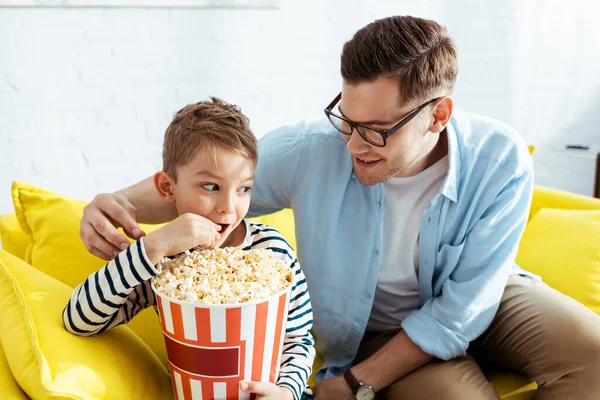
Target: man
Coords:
[[408, 219]]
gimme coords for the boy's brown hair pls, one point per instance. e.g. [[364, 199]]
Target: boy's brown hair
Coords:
[[417, 51], [207, 125]]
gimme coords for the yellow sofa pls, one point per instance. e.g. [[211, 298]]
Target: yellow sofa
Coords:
[[556, 218]]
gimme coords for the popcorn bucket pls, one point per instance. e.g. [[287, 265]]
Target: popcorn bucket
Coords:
[[212, 348]]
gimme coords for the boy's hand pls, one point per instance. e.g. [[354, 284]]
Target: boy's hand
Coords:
[[267, 391], [183, 233]]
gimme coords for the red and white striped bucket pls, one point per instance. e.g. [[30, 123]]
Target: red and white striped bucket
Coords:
[[212, 348]]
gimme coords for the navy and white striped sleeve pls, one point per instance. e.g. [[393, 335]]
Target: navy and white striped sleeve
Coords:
[[298, 347], [113, 295]]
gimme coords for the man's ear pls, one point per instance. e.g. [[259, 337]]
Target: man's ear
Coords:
[[442, 112], [165, 186]]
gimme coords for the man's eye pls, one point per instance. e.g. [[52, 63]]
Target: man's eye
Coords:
[[245, 189], [210, 186]]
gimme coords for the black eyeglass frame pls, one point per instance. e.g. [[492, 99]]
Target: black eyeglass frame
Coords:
[[385, 133]]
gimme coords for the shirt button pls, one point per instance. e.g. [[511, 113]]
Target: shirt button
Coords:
[[368, 295], [376, 252]]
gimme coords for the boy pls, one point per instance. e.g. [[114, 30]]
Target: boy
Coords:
[[209, 157]]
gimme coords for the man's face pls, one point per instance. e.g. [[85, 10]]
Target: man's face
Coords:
[[377, 104]]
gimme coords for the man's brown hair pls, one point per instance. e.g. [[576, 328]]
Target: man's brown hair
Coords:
[[207, 125], [417, 51]]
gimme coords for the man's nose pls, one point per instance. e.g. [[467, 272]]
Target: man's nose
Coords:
[[356, 144]]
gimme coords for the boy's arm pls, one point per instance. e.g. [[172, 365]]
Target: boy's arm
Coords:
[[298, 347], [113, 295]]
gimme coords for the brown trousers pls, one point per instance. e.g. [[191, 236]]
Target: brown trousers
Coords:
[[537, 331]]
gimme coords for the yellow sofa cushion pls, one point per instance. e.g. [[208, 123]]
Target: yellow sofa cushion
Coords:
[[544, 197], [9, 388], [49, 362], [52, 224], [563, 247], [13, 239]]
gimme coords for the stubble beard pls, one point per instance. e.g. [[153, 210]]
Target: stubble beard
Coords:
[[370, 179]]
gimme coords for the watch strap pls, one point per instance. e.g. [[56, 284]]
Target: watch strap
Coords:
[[352, 381]]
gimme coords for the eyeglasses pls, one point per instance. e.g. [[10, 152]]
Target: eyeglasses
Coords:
[[376, 137]]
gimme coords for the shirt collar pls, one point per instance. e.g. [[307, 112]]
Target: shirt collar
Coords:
[[449, 187]]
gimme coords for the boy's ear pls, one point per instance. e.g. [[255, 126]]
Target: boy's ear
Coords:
[[164, 185]]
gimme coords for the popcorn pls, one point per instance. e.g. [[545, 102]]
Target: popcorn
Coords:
[[223, 276]]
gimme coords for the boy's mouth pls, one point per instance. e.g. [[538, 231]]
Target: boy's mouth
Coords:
[[224, 228]]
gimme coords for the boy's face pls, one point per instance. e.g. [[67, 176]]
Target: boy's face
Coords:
[[216, 185]]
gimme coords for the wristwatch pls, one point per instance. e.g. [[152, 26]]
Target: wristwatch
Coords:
[[361, 391]]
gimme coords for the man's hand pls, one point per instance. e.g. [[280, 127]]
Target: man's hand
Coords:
[[183, 233], [101, 218], [267, 391], [333, 388]]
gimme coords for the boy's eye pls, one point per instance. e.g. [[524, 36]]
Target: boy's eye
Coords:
[[210, 186], [245, 189]]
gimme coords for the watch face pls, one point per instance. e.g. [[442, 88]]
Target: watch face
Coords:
[[365, 392]]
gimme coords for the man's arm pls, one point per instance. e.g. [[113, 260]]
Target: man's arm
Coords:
[[149, 207], [281, 154], [397, 358], [109, 211]]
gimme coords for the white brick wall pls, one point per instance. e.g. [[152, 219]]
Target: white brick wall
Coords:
[[85, 94]]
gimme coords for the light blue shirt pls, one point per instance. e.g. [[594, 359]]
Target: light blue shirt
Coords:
[[468, 236]]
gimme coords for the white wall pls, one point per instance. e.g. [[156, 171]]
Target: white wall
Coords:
[[85, 94]]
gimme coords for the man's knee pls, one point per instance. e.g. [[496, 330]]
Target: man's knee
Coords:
[[456, 379], [438, 389], [587, 358], [576, 352]]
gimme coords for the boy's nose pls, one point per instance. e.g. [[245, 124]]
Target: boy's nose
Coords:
[[227, 206]]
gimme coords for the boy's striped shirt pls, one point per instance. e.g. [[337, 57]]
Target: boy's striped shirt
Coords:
[[121, 289]]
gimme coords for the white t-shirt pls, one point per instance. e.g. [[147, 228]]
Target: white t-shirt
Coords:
[[397, 292]]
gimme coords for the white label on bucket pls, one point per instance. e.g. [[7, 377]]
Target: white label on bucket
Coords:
[[270, 338], [178, 385], [166, 309], [196, 389], [220, 389], [217, 325], [247, 334], [188, 314]]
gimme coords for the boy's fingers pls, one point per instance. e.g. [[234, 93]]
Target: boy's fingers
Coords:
[[261, 388]]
